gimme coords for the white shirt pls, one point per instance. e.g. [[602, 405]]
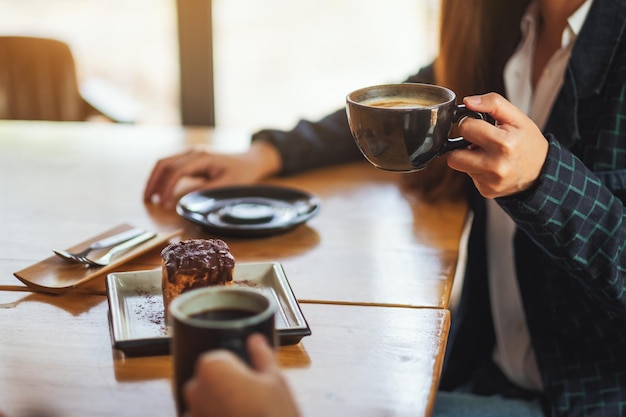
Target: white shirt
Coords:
[[513, 352]]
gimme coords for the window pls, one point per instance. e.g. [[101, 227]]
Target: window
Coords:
[[276, 61]]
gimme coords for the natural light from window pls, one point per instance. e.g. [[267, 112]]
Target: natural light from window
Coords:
[[276, 61]]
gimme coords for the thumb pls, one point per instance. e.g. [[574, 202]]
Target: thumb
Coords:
[[261, 354], [496, 106]]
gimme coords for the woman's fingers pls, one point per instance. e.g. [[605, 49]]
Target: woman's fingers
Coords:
[[505, 158], [261, 354]]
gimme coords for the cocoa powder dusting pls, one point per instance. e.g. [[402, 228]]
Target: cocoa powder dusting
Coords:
[[150, 309]]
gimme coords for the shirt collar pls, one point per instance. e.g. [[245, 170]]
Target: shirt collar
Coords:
[[574, 22]]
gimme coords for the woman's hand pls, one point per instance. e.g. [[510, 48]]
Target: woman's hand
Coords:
[[204, 169], [224, 386], [504, 159]]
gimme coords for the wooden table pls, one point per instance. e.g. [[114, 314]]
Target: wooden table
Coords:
[[376, 361], [373, 273]]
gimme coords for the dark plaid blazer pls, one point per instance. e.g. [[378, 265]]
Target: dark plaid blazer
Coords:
[[569, 246], [570, 240]]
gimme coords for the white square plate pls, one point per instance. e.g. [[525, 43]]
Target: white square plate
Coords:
[[137, 317]]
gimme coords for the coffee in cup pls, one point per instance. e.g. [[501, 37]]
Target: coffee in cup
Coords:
[[402, 127], [215, 318]]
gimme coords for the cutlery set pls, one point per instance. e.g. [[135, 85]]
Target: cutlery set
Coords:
[[117, 244]]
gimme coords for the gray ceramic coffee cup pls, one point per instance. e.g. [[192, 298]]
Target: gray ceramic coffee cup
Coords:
[[402, 127]]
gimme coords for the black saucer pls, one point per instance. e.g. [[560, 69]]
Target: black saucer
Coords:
[[248, 211]]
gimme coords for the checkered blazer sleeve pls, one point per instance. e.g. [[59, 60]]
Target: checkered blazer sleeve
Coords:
[[579, 221]]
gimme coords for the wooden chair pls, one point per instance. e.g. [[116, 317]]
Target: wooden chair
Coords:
[[38, 81]]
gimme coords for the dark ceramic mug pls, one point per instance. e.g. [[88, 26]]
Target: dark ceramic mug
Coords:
[[402, 127], [215, 318]]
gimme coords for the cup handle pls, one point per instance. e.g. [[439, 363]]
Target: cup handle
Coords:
[[461, 113]]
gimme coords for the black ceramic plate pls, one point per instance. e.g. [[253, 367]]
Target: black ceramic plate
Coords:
[[248, 211]]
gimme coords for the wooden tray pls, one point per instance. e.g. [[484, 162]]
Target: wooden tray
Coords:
[[56, 276]]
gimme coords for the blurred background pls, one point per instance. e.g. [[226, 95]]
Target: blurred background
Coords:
[[275, 61]]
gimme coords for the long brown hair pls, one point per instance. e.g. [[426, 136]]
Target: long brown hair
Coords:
[[476, 38]]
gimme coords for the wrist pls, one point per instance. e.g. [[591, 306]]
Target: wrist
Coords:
[[266, 157]]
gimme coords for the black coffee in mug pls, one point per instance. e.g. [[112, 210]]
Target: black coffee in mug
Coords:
[[402, 127], [215, 318], [223, 314]]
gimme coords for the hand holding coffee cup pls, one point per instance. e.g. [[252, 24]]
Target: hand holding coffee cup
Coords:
[[215, 318], [402, 127]]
